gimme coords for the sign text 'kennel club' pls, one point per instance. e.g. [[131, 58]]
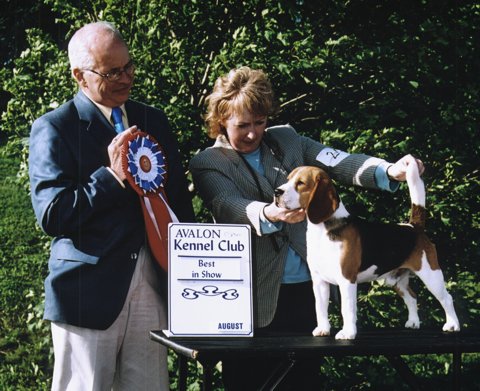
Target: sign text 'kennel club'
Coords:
[[210, 283]]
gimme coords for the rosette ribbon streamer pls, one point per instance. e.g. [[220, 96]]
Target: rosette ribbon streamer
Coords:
[[146, 169]]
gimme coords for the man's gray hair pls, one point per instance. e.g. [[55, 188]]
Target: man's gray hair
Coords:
[[79, 47]]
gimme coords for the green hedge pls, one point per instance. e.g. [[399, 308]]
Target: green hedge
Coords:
[[24, 338]]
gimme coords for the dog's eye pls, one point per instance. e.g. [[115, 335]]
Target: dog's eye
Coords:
[[300, 183]]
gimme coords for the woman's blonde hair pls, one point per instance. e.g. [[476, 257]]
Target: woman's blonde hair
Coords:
[[242, 89]]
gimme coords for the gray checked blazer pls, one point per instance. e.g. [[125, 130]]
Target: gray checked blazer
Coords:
[[233, 196]]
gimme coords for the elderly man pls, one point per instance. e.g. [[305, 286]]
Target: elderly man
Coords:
[[103, 292]]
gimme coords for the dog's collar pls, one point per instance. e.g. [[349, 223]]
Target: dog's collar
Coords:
[[335, 226]]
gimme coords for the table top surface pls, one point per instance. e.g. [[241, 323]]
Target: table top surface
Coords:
[[378, 342]]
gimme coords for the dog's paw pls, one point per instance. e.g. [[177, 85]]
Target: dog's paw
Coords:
[[451, 326], [346, 334], [412, 324], [321, 332]]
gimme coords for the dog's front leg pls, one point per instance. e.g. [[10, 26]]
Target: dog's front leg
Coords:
[[348, 292], [321, 291]]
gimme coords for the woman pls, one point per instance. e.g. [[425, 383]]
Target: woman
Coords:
[[236, 179]]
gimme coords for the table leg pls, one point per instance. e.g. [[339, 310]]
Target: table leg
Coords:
[[208, 367], [457, 369], [278, 374], [182, 373], [404, 371]]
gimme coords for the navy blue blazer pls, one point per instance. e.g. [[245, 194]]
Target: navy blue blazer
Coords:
[[97, 225]]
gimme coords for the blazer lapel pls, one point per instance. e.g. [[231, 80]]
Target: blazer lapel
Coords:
[[93, 123], [223, 147], [136, 116], [273, 169]]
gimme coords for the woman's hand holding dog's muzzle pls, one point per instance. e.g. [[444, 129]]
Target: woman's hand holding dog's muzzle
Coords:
[[275, 214]]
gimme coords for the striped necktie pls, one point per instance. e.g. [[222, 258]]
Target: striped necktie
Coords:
[[117, 119]]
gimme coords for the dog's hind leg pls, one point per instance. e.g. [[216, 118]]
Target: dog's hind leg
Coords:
[[405, 292], [434, 281]]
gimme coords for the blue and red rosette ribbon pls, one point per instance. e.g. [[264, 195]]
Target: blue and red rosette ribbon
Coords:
[[145, 162], [145, 167]]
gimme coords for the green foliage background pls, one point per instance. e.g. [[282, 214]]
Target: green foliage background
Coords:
[[379, 77]]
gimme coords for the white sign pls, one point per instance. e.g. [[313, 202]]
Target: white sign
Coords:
[[209, 280]]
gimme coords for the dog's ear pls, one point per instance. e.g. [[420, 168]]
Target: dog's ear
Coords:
[[323, 200]]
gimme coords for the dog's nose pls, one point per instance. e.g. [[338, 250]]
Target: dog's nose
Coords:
[[278, 192]]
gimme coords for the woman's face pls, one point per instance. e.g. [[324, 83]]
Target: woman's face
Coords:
[[245, 131]]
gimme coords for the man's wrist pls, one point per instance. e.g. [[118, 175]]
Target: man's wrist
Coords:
[[116, 177]]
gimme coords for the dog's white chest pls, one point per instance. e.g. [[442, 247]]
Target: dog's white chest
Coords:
[[323, 254]]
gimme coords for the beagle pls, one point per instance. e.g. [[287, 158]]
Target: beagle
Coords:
[[346, 250]]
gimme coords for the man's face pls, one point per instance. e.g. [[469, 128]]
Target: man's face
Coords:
[[108, 56]]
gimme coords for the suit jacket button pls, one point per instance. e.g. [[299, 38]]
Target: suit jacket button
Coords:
[[133, 256]]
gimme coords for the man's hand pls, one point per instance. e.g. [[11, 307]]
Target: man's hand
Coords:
[[115, 152]]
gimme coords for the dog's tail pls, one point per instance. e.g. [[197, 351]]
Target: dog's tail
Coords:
[[416, 188]]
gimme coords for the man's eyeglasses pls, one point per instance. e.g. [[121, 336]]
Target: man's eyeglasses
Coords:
[[116, 74]]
